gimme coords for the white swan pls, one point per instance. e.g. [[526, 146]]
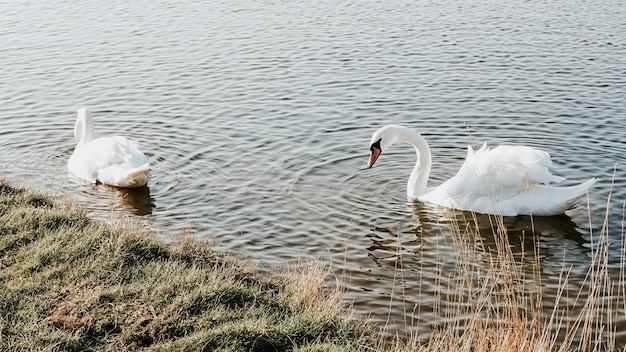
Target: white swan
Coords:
[[114, 160], [507, 180]]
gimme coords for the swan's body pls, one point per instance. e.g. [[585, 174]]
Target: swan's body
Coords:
[[114, 160], [507, 180]]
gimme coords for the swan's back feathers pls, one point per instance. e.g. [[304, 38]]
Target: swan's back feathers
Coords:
[[506, 180], [129, 151], [115, 161], [512, 165], [504, 171]]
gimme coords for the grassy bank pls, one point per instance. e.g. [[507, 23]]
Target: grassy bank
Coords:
[[70, 283]]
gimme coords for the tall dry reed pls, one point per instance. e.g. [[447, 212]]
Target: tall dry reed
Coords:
[[494, 300]]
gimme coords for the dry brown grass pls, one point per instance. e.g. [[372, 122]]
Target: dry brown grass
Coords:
[[494, 302], [305, 282]]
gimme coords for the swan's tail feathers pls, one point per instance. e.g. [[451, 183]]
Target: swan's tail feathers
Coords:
[[137, 177], [583, 187], [577, 191], [125, 177], [549, 200]]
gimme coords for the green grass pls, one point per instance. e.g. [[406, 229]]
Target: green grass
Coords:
[[68, 283]]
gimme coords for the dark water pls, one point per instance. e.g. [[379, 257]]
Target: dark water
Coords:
[[256, 117]]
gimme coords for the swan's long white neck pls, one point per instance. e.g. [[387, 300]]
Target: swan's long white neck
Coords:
[[83, 130], [417, 184]]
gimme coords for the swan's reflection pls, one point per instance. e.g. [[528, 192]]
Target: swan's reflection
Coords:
[[436, 250], [522, 230], [137, 199], [99, 197], [443, 226]]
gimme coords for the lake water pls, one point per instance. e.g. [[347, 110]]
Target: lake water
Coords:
[[257, 115]]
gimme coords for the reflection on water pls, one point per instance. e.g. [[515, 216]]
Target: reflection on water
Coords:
[[137, 199], [430, 222], [525, 232], [464, 245]]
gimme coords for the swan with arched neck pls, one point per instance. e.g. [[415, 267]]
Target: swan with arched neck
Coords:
[[506, 180]]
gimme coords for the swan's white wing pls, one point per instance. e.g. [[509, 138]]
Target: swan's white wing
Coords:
[[490, 177], [88, 159], [112, 160], [129, 151], [130, 170], [510, 166]]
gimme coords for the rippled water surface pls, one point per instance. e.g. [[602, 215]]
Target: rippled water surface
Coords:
[[256, 117]]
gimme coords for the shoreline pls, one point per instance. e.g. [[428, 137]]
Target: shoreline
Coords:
[[73, 283]]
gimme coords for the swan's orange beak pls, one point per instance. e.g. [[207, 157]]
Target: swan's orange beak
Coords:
[[374, 153]]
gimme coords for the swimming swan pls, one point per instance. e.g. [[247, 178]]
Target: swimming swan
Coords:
[[114, 160], [507, 180]]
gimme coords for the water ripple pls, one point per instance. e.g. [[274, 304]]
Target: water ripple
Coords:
[[257, 117]]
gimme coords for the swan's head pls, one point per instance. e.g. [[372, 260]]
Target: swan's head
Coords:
[[382, 139]]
